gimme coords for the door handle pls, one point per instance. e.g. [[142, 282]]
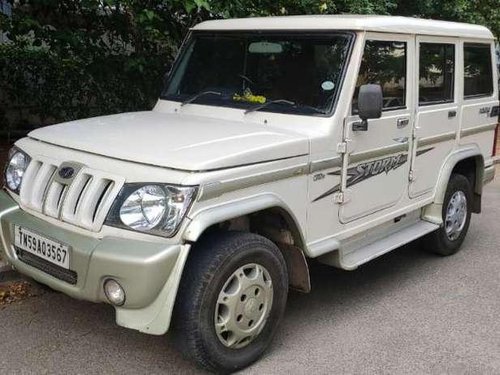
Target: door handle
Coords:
[[403, 122], [452, 114]]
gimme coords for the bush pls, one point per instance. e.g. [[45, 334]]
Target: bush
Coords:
[[73, 59], [39, 85], [70, 59]]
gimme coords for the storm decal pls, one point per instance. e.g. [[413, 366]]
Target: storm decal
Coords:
[[373, 168]]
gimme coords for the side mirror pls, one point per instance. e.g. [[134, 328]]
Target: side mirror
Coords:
[[370, 104]]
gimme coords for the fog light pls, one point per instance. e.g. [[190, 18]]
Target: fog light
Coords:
[[114, 292]]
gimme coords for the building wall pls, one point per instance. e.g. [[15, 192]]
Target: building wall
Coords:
[[5, 8]]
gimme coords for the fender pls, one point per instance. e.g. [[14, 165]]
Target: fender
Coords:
[[294, 255], [433, 212], [230, 210], [158, 315]]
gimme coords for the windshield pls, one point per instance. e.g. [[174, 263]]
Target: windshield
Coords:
[[291, 73]]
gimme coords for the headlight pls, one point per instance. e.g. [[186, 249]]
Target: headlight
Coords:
[[156, 208], [15, 168], [144, 208]]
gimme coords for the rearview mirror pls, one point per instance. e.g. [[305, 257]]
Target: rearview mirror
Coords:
[[370, 104], [265, 48]]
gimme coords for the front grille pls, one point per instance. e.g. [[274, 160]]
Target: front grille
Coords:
[[83, 201], [69, 276]]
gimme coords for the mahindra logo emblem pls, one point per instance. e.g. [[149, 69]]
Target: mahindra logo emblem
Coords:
[[66, 172]]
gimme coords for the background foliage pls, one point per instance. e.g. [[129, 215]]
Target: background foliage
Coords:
[[69, 59]]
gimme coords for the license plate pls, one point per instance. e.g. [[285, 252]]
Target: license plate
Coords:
[[47, 249]]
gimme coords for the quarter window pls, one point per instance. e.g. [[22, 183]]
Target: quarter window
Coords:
[[384, 63], [478, 72], [437, 69]]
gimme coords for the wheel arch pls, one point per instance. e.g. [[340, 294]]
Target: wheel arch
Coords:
[[266, 215], [467, 161]]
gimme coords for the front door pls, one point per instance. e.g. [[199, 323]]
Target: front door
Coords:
[[378, 165]]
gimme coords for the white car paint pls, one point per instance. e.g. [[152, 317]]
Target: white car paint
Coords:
[[233, 157], [176, 140], [375, 23]]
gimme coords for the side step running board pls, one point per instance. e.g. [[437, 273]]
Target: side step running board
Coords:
[[380, 247]]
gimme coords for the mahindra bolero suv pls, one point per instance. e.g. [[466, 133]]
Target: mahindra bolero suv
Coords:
[[274, 141]]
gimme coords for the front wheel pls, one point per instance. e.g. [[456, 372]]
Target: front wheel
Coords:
[[231, 300], [448, 239]]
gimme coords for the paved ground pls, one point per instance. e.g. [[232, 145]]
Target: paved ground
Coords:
[[407, 312], [498, 144]]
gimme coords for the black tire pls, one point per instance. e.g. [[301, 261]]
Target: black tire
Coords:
[[438, 241], [211, 262]]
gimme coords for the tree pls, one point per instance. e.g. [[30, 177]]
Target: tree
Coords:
[[481, 12], [70, 59]]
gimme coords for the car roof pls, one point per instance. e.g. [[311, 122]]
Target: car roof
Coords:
[[386, 24]]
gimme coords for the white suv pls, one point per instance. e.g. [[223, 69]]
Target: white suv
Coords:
[[275, 140]]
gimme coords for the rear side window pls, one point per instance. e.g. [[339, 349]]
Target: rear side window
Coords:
[[384, 63], [478, 71], [437, 71]]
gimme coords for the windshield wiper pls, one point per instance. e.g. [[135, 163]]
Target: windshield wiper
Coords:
[[267, 104], [199, 95], [283, 101], [314, 109]]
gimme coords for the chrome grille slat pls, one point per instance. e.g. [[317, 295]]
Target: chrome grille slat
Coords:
[[83, 201], [30, 175], [41, 184], [73, 197], [53, 199], [107, 200], [87, 205], [102, 198], [34, 195]]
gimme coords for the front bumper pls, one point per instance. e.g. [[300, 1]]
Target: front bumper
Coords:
[[149, 272]]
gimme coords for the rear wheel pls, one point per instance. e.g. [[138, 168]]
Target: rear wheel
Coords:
[[448, 239], [231, 300]]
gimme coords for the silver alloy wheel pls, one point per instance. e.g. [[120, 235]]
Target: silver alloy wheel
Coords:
[[243, 306], [456, 215]]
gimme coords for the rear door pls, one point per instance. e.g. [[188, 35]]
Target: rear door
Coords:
[[480, 93], [437, 110], [378, 164]]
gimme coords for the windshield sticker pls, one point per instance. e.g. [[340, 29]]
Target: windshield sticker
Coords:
[[328, 86]]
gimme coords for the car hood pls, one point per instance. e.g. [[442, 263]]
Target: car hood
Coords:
[[177, 141]]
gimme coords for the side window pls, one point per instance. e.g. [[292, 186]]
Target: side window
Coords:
[[437, 71], [478, 71], [384, 63]]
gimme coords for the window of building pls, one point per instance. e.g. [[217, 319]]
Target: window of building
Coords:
[[384, 63], [478, 71], [5, 7]]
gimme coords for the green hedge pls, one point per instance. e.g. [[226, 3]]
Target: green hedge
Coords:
[[38, 85], [70, 59]]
